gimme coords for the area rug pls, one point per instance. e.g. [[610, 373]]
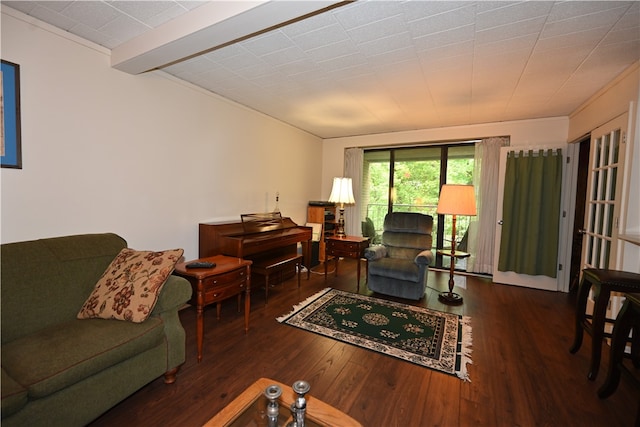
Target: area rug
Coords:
[[433, 339]]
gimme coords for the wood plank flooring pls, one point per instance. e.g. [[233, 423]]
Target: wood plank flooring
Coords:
[[522, 372]]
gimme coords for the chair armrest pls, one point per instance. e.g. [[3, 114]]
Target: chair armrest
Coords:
[[424, 258], [375, 252], [174, 294]]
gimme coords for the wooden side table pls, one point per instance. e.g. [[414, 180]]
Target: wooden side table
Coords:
[[346, 247], [230, 277], [451, 297]]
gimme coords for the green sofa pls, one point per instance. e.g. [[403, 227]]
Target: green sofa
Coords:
[[58, 370]]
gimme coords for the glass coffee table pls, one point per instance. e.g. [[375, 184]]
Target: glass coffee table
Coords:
[[249, 409]]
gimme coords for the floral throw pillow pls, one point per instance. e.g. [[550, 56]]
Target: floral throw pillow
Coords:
[[129, 288]]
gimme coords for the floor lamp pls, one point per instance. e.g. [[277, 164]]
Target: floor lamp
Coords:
[[341, 193], [455, 200]]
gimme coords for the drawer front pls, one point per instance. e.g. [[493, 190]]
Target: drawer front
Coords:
[[345, 254], [345, 249], [225, 279], [219, 293], [223, 286]]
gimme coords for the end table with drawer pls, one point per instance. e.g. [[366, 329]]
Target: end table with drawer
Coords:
[[230, 277], [346, 247]]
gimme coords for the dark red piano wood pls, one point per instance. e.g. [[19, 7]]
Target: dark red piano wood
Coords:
[[255, 241]]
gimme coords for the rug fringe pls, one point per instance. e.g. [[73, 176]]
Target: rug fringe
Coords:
[[302, 304], [465, 354]]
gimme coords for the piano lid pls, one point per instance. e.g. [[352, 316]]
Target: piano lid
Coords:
[[260, 222]]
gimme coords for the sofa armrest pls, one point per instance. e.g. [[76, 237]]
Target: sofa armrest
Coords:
[[174, 294], [424, 258], [375, 252]]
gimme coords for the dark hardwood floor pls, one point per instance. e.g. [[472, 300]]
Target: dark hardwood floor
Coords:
[[522, 372]]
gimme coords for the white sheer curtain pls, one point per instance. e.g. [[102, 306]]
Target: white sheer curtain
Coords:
[[482, 230], [353, 158]]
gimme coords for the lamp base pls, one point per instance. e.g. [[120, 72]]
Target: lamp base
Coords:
[[450, 298], [340, 226]]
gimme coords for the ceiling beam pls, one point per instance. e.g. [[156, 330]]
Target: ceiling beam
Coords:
[[209, 27]]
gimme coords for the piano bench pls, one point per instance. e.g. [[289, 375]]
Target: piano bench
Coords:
[[273, 265]]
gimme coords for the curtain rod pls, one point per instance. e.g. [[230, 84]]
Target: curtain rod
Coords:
[[416, 144], [436, 142], [535, 152]]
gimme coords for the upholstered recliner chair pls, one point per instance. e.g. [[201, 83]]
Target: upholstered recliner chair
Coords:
[[399, 266]]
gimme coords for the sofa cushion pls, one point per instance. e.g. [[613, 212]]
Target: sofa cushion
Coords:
[[129, 288], [14, 396], [61, 355]]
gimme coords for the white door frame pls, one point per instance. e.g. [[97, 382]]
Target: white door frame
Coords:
[[600, 203]]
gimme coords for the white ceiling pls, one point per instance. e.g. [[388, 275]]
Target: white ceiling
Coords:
[[369, 67]]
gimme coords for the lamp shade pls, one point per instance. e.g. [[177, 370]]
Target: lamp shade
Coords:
[[342, 191], [457, 200]]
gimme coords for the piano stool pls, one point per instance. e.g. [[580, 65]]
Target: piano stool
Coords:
[[273, 265]]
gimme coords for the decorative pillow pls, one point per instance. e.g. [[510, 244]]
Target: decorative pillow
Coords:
[[129, 288]]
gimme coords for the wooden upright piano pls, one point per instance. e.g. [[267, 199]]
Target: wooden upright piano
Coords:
[[256, 237]]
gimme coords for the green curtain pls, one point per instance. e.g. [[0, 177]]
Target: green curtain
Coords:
[[531, 213]]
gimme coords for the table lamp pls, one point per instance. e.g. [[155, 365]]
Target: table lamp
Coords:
[[341, 193], [455, 200]]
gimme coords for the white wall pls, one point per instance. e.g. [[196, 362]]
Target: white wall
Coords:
[[631, 251], [610, 102], [147, 156]]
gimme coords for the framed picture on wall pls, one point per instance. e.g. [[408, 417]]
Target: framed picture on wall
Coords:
[[10, 144]]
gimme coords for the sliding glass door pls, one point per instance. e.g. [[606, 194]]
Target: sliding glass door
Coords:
[[409, 180]]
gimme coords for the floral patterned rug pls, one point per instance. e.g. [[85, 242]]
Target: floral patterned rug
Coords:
[[436, 340]]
